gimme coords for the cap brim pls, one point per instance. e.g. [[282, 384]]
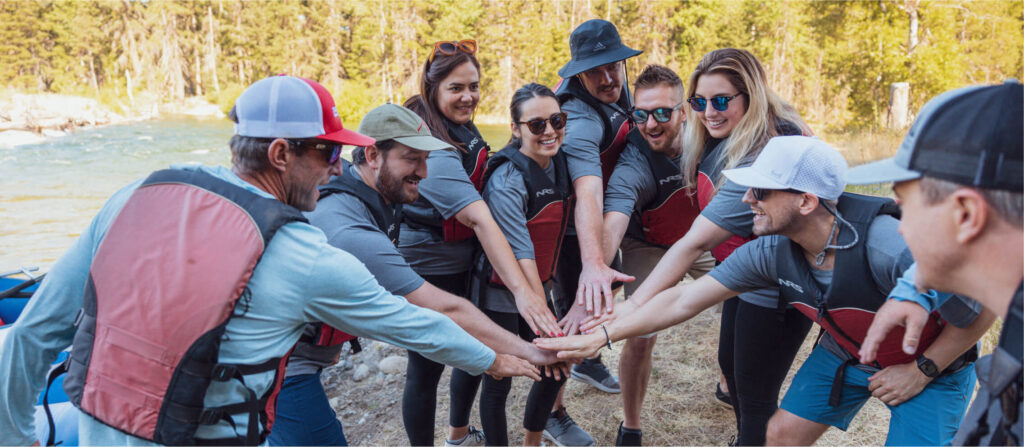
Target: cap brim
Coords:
[[881, 171], [423, 143], [750, 178], [573, 68], [345, 136]]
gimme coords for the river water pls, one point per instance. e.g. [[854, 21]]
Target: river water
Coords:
[[50, 191]]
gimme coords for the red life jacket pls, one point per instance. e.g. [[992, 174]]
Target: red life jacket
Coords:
[[421, 214], [674, 209], [615, 127], [162, 287], [547, 207]]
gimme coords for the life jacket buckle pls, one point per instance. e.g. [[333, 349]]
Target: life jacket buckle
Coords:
[[223, 372]]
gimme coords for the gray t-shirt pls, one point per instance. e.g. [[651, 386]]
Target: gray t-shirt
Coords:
[[752, 266], [348, 225], [448, 188], [728, 211], [582, 142], [506, 196], [632, 188]]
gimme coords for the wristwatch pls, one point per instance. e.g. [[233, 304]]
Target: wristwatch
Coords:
[[927, 366]]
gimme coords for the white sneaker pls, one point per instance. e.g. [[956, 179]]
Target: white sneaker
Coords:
[[474, 437]]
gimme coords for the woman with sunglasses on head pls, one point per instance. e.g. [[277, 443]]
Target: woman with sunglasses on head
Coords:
[[733, 113], [529, 191], [438, 231]]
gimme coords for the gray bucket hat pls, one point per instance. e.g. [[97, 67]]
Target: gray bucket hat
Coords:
[[594, 43]]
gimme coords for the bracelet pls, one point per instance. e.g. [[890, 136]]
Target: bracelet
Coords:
[[607, 339]]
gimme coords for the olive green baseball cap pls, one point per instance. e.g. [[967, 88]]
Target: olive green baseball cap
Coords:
[[394, 122]]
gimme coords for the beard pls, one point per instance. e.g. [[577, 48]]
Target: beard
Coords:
[[393, 188]]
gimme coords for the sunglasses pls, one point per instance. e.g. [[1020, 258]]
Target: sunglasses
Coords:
[[720, 103], [661, 114], [537, 126], [450, 47], [760, 193], [330, 151]]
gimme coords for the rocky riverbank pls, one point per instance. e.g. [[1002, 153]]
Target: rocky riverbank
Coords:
[[34, 118]]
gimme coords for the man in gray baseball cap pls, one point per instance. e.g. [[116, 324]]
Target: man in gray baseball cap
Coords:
[[360, 212], [834, 256], [958, 176]]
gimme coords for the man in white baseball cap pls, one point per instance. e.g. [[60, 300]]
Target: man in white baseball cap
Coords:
[[189, 288], [834, 257]]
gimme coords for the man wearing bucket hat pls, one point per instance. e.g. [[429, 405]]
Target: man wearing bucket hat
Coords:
[[360, 211], [188, 288], [594, 95], [834, 256], [958, 176]]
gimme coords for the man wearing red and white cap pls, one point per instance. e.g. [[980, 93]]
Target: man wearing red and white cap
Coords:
[[287, 142]]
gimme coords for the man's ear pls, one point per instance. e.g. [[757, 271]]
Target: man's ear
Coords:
[[808, 203], [970, 214], [278, 154], [373, 156]]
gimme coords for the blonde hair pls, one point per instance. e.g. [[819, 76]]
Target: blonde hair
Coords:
[[765, 111]]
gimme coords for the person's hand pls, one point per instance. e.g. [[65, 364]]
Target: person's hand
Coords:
[[558, 370], [622, 309], [535, 311], [550, 364], [595, 287], [574, 347], [892, 314], [511, 366], [571, 321], [898, 383]]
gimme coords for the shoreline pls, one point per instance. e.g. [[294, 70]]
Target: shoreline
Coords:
[[36, 118]]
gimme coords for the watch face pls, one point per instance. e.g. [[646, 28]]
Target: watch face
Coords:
[[927, 367]]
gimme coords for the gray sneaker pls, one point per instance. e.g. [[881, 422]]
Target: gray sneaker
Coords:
[[475, 437], [563, 431], [594, 372]]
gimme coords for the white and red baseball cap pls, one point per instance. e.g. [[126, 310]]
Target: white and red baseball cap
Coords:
[[291, 107]]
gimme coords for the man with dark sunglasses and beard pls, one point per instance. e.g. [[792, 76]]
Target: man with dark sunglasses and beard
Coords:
[[359, 212], [646, 210], [834, 256]]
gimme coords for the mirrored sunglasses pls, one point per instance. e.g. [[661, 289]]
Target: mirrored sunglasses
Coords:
[[720, 103], [660, 114]]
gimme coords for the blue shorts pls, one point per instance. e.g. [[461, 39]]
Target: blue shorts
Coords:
[[304, 416], [930, 418]]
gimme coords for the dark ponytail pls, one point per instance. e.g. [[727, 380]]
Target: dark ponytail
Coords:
[[526, 93]]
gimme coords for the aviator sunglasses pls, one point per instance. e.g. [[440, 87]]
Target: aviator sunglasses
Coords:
[[331, 151], [660, 114], [537, 126], [720, 103], [450, 47]]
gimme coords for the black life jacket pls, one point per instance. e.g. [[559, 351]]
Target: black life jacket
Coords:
[[997, 415], [709, 170], [615, 127], [421, 214], [847, 308], [674, 209], [155, 310], [547, 206]]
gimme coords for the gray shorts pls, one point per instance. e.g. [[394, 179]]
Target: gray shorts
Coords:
[[639, 258]]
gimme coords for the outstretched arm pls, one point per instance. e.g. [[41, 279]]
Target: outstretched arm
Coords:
[[668, 308], [596, 278]]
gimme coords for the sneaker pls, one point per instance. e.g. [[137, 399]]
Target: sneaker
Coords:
[[722, 397], [628, 436], [563, 431], [473, 438], [594, 372]]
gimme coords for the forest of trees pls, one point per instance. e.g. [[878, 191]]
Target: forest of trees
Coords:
[[834, 60]]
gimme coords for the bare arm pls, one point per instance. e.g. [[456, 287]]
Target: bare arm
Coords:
[[529, 297], [899, 383], [595, 285], [615, 224], [703, 236], [668, 308], [473, 321]]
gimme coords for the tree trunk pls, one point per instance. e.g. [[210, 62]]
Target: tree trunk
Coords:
[[899, 104], [211, 50]]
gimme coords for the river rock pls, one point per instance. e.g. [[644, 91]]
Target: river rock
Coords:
[[361, 372], [394, 364]]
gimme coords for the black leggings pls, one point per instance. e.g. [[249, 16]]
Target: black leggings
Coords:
[[494, 393], [755, 351], [419, 399]]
